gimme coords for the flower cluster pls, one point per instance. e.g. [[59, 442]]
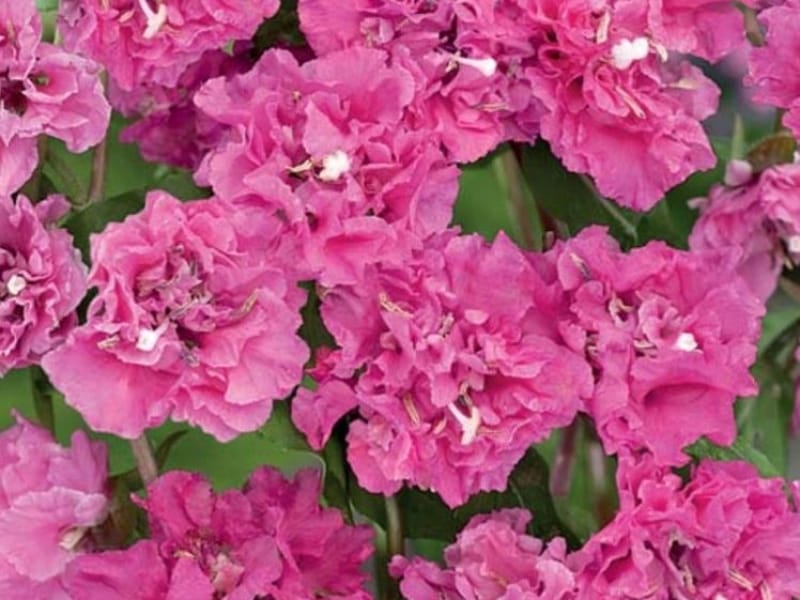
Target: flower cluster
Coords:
[[43, 90], [586, 76], [271, 540], [50, 499], [443, 357], [192, 320]]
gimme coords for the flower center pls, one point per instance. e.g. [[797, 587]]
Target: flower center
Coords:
[[334, 165], [12, 95], [15, 284]]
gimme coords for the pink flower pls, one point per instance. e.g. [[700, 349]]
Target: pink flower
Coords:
[[43, 90], [773, 75], [670, 334], [50, 499], [322, 145], [706, 28], [270, 540], [170, 128], [461, 369], [152, 42], [195, 318], [614, 106], [42, 280], [466, 56], [726, 534], [756, 217], [492, 559]]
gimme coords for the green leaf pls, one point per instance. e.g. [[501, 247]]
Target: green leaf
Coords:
[[47, 5], [740, 450], [93, 218], [783, 313], [572, 199], [425, 516]]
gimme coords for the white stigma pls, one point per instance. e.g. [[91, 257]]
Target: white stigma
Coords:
[[148, 338], [793, 244], [625, 52], [155, 19], [686, 342], [487, 66], [334, 165], [469, 424], [15, 285]]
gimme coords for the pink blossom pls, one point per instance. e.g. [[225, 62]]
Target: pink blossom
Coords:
[[467, 57], [170, 128], [42, 282], [706, 28], [44, 90], [773, 72], [613, 108], [726, 534], [194, 319], [146, 42], [756, 217], [462, 370], [492, 559], [271, 540], [671, 336], [50, 499], [322, 145]]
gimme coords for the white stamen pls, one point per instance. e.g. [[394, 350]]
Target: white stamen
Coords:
[[601, 37], [487, 66], [148, 338], [686, 342], [71, 539], [334, 165], [793, 244], [469, 424], [15, 285], [625, 52], [155, 19], [740, 580]]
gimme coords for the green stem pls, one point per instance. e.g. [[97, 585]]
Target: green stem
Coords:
[[611, 208], [43, 399], [97, 181], [145, 462], [518, 202], [395, 541]]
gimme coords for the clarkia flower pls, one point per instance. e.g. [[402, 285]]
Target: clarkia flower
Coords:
[[43, 90], [50, 499], [726, 534], [168, 127], [152, 42], [754, 216], [453, 365], [323, 145], [616, 105], [195, 318], [42, 280], [772, 74], [670, 334], [270, 540], [492, 559]]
